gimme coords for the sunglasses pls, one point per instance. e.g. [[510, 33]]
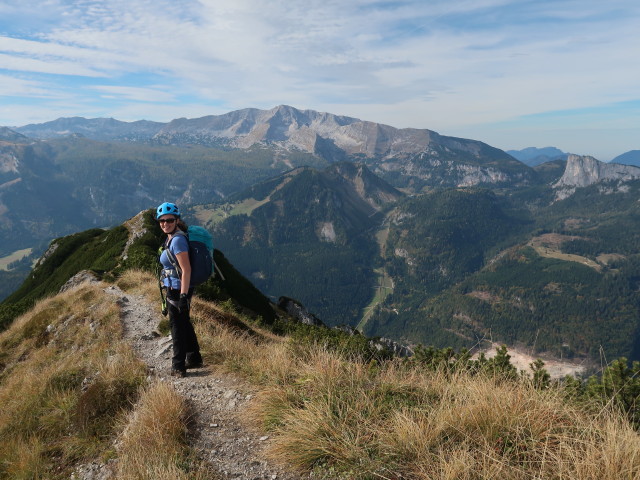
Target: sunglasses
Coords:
[[167, 220]]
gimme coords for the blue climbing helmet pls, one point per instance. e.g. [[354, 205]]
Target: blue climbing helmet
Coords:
[[167, 208]]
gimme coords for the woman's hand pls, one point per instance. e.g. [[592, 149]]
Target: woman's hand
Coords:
[[183, 303]]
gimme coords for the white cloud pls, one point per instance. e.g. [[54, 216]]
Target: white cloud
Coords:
[[57, 67], [11, 86], [158, 94], [437, 64]]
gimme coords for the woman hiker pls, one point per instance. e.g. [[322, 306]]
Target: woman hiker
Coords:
[[176, 275]]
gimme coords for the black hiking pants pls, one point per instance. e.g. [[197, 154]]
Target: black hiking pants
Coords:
[[185, 342]]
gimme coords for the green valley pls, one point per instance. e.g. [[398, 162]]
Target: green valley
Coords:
[[458, 267], [476, 246]]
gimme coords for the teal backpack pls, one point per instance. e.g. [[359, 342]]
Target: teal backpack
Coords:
[[200, 255]]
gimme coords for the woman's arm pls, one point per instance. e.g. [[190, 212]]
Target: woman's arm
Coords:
[[185, 266]]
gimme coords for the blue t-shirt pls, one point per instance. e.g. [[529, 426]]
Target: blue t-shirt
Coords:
[[178, 245]]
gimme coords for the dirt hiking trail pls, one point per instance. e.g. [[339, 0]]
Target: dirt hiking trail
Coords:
[[217, 400]]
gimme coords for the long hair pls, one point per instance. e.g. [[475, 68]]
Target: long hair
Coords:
[[181, 225]]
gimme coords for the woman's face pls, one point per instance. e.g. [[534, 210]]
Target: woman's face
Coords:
[[167, 223]]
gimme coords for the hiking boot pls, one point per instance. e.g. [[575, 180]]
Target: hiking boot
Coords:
[[194, 360], [190, 364], [178, 373]]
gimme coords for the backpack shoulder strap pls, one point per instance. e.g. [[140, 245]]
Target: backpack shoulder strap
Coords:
[[178, 233], [172, 258]]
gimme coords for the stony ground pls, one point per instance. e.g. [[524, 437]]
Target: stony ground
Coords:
[[557, 369], [217, 400]]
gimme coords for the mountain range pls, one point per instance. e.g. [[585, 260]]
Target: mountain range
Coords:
[[629, 158], [533, 156], [399, 232], [284, 126], [419, 157], [75, 173], [453, 267]]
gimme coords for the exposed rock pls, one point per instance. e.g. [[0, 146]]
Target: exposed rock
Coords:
[[136, 229], [50, 251], [298, 311], [79, 278], [94, 471], [381, 343], [582, 171], [463, 167], [348, 329], [327, 232], [396, 348], [8, 161]]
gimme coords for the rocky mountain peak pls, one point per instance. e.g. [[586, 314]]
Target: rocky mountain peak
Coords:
[[8, 135], [104, 129], [582, 171], [305, 130]]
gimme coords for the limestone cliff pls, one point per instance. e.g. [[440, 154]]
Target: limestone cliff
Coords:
[[582, 171]]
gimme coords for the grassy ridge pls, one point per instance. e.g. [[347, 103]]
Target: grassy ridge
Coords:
[[101, 251], [69, 388], [332, 412], [64, 384], [97, 250]]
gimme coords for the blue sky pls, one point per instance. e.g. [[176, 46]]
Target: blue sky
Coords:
[[512, 73]]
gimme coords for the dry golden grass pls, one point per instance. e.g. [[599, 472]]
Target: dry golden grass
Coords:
[[399, 422], [153, 441], [68, 385], [396, 420], [139, 282], [324, 410], [26, 458], [65, 379]]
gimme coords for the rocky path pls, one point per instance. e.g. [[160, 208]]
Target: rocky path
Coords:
[[217, 400]]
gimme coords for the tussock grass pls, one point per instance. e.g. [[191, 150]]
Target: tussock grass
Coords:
[[140, 282], [65, 380], [395, 421], [326, 410], [153, 441], [331, 412]]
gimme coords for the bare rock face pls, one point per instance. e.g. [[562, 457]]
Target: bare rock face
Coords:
[[305, 130], [79, 278], [298, 311], [398, 349], [584, 171], [135, 225]]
